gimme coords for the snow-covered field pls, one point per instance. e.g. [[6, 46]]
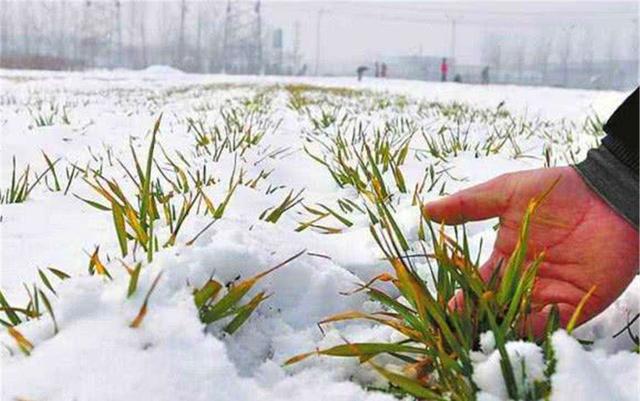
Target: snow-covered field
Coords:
[[90, 122]]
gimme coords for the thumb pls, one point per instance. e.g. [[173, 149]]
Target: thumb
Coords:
[[480, 202]]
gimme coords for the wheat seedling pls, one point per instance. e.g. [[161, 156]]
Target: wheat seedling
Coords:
[[213, 308]]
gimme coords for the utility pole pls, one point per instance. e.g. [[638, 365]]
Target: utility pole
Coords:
[[119, 28], [296, 47], [258, 40], [225, 40], [199, 43], [131, 60], [26, 30], [143, 34], [62, 31], [183, 12], [452, 51], [319, 19], [80, 47]]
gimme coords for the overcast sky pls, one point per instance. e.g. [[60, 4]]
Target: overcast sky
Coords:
[[353, 30], [339, 35]]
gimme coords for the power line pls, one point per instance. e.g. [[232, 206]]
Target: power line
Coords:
[[444, 20], [525, 13], [466, 17]]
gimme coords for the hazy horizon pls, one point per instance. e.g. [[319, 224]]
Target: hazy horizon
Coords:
[[328, 37]]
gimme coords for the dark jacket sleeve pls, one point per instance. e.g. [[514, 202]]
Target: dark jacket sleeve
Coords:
[[611, 170]]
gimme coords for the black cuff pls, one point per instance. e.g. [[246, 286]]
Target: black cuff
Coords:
[[613, 180], [622, 151]]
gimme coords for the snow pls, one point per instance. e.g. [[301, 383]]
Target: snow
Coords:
[[487, 342], [172, 356], [161, 70], [583, 375], [528, 366]]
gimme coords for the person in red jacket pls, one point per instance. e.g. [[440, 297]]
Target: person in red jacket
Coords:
[[444, 68]]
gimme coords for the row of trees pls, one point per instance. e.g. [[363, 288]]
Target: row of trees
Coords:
[[215, 36], [129, 34], [565, 55]]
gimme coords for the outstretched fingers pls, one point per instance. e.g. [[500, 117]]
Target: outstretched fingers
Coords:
[[480, 202]]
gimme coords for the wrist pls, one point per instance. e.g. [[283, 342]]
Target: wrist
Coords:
[[613, 181]]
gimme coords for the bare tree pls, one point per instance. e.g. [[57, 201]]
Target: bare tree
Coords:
[[564, 53], [62, 30], [75, 32], [143, 34], [216, 34], [131, 35], [198, 50], [613, 56], [26, 28], [4, 28], [634, 41], [181, 37], [586, 51], [519, 57], [492, 51], [542, 53], [118, 7]]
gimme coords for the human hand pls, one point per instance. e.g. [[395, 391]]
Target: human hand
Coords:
[[586, 243]]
